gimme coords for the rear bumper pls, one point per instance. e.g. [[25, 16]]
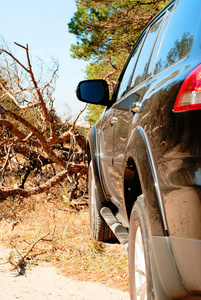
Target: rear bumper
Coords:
[[187, 255], [177, 262]]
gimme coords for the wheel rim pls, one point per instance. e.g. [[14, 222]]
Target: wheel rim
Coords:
[[140, 268]]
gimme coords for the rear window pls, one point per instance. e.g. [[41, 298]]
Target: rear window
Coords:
[[158, 42], [143, 61], [125, 82], [179, 35]]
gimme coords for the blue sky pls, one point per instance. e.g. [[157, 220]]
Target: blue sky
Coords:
[[43, 25]]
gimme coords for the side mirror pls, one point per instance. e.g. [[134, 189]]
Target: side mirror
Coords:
[[93, 91]]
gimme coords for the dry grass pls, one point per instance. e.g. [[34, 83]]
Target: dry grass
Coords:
[[67, 244]]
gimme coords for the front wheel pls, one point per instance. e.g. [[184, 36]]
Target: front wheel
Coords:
[[140, 278], [99, 228]]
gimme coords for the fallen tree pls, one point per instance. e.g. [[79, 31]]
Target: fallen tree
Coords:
[[37, 149]]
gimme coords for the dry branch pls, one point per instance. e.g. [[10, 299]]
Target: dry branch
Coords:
[[32, 137], [20, 265]]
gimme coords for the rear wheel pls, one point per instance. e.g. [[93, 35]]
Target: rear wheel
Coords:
[[141, 284], [99, 228]]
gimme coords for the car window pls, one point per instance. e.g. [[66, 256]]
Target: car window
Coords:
[[125, 82], [179, 35], [157, 44], [143, 61]]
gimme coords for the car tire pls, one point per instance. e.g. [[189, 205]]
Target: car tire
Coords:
[[99, 228], [140, 278]]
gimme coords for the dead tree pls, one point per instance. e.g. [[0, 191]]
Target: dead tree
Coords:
[[33, 139]]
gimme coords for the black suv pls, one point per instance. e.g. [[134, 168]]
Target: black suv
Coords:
[[145, 156]]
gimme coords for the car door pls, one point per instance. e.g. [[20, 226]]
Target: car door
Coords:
[[128, 105], [108, 124], [123, 117]]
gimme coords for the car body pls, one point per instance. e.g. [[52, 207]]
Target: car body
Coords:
[[144, 155]]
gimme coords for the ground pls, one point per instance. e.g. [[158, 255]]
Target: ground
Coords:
[[46, 282], [61, 259]]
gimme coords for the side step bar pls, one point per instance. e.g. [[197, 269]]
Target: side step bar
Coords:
[[119, 230]]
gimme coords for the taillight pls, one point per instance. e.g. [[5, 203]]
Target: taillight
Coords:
[[189, 96]]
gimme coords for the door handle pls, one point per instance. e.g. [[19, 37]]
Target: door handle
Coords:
[[113, 120], [135, 107]]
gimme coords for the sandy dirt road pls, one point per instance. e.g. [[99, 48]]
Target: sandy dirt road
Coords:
[[45, 282]]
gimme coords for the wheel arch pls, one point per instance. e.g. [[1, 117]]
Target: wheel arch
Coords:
[[139, 163], [91, 144], [91, 148]]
